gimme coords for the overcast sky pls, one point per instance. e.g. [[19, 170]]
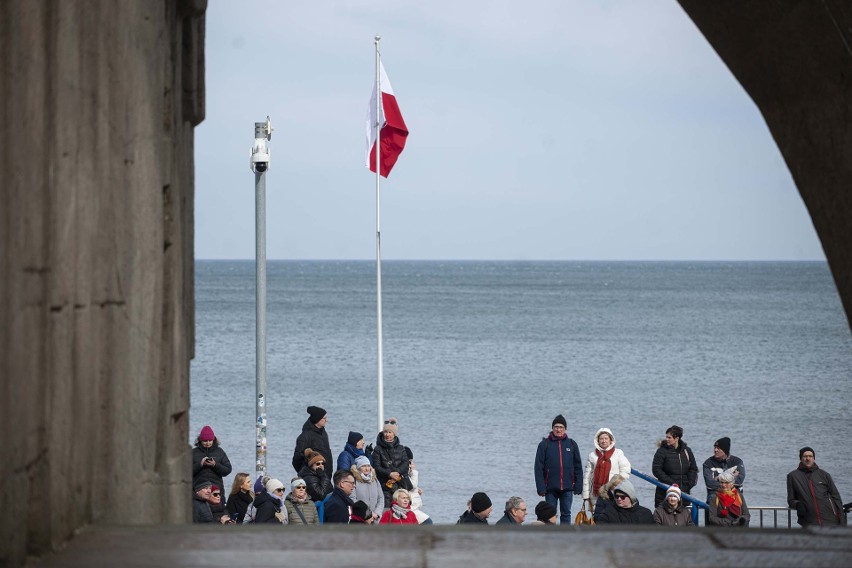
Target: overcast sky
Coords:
[[556, 129]]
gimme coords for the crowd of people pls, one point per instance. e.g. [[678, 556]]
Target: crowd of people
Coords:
[[379, 484]]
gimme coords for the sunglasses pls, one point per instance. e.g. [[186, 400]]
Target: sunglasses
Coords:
[[216, 494], [390, 421], [320, 463], [279, 490], [299, 487], [621, 496]]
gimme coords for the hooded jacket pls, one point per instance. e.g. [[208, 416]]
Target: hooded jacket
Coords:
[[388, 457], [314, 438], [370, 492], [611, 513], [214, 474], [674, 466], [558, 465], [815, 497], [618, 464]]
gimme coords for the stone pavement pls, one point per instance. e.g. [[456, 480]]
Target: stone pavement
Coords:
[[450, 546]]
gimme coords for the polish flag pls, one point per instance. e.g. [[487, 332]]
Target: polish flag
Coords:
[[393, 129]]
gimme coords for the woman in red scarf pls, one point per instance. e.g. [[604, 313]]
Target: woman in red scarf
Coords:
[[604, 463], [727, 505], [400, 512]]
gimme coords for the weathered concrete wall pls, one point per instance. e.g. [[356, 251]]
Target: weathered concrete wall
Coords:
[[99, 100], [794, 58]]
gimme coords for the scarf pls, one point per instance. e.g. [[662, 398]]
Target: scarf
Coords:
[[292, 497], [729, 502], [367, 477], [602, 469], [399, 512]]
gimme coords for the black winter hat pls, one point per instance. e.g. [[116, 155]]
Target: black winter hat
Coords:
[[354, 438], [806, 449], [479, 502], [724, 444], [361, 509], [559, 420], [316, 414], [544, 511]]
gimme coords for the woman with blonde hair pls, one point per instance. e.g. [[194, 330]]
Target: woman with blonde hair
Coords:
[[604, 463], [240, 498], [400, 512]]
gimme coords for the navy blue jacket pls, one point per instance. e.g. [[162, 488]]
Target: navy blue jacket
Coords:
[[558, 466], [347, 457], [337, 508]]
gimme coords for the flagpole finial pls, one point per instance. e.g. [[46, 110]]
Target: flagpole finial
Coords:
[[378, 38]]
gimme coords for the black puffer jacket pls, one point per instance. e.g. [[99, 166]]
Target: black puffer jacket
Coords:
[[314, 438], [613, 514], [674, 466], [319, 483], [469, 518], [201, 510], [388, 457], [213, 474], [266, 507]]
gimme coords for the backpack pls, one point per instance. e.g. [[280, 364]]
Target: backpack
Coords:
[[321, 507]]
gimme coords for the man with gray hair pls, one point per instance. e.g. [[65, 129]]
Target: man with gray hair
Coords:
[[515, 513]]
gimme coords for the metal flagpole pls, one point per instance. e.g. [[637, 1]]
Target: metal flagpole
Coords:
[[259, 163], [378, 126]]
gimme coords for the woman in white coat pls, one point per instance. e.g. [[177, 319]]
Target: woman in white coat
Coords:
[[604, 463]]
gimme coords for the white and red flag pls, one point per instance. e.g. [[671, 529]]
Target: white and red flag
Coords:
[[393, 131]]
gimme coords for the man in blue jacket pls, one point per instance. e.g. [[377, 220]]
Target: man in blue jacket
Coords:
[[339, 506], [559, 469]]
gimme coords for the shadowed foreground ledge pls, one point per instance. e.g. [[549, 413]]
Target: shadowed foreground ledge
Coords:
[[448, 546]]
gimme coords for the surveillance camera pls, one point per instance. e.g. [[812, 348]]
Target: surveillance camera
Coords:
[[260, 167]]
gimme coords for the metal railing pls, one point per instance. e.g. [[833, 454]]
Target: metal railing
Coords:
[[753, 511], [775, 511]]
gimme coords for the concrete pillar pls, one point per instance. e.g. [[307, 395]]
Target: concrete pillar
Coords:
[[99, 100]]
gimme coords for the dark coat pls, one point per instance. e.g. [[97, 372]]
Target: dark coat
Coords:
[[815, 497], [319, 483], [507, 520], [314, 438], [558, 465], [669, 516], [214, 474], [238, 504], [712, 467], [266, 506], [389, 457], [674, 466], [337, 509], [201, 510], [347, 457], [613, 514], [469, 517]]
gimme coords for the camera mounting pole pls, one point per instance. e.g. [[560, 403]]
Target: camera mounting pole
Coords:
[[259, 157]]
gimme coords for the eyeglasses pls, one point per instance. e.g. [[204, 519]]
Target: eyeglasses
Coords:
[[390, 421], [348, 481]]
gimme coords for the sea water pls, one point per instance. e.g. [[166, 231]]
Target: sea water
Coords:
[[480, 356]]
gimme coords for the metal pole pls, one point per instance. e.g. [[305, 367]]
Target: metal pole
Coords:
[[381, 396], [259, 162]]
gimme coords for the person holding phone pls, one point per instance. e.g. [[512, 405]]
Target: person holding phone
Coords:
[[209, 460]]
